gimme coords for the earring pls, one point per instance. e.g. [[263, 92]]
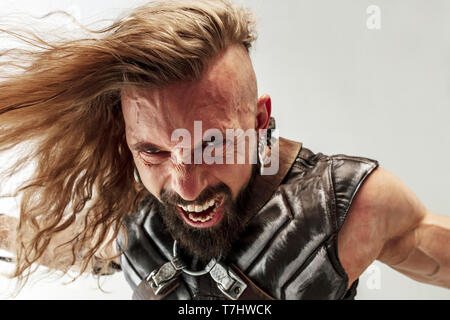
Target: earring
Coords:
[[267, 139], [137, 178], [263, 148]]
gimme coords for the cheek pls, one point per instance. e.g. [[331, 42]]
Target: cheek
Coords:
[[234, 176], [152, 177]]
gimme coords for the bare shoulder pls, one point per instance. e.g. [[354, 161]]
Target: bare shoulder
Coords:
[[383, 208]]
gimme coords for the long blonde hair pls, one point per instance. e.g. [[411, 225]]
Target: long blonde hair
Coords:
[[64, 98]]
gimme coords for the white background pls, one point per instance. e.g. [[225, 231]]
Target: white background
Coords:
[[338, 87]]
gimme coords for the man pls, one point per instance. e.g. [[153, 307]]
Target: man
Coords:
[[106, 115]]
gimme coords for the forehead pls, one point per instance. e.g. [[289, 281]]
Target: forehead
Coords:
[[217, 99], [168, 105]]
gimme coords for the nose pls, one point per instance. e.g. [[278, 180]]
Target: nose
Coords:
[[187, 181]]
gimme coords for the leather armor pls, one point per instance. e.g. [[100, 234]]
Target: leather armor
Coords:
[[289, 245]]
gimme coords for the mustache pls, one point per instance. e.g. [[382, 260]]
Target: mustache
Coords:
[[172, 198]]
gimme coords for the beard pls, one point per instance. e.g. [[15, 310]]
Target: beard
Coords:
[[213, 242]]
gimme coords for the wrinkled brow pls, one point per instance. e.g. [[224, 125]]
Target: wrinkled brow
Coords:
[[145, 145]]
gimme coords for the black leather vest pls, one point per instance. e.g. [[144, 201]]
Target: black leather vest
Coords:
[[289, 247]]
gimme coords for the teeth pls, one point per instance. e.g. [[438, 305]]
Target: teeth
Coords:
[[191, 210], [198, 208], [202, 219]]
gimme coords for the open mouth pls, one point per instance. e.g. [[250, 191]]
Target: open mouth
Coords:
[[203, 215]]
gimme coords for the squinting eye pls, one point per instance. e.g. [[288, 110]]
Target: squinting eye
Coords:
[[154, 156], [152, 151]]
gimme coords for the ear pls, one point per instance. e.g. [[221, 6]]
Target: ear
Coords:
[[263, 112]]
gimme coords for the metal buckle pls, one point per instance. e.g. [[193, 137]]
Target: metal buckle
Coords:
[[207, 269], [165, 277], [228, 281]]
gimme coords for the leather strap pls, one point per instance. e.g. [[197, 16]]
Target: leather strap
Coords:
[[252, 292], [263, 187], [145, 292]]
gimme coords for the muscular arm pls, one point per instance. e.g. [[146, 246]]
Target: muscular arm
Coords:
[[8, 227], [423, 253], [387, 222]]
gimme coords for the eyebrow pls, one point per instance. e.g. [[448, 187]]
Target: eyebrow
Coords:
[[145, 145]]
